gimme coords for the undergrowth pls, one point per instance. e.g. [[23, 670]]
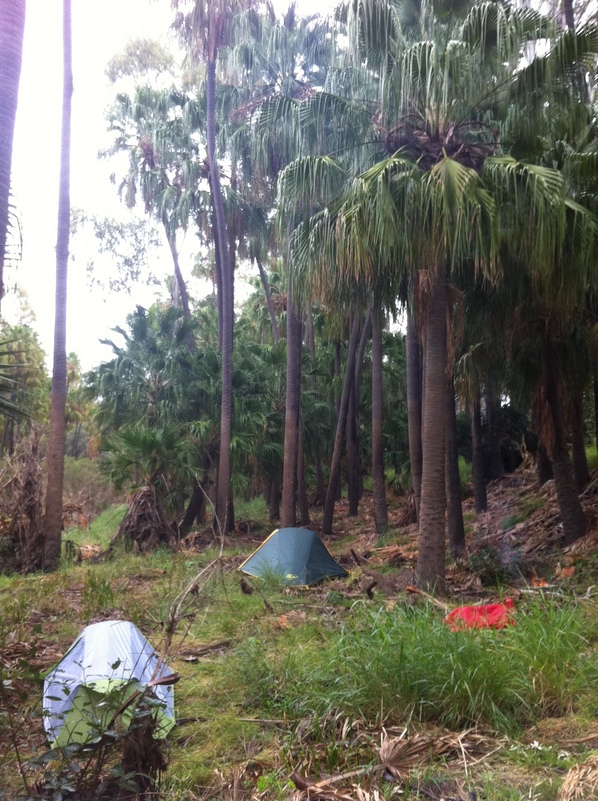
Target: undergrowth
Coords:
[[405, 664], [306, 679]]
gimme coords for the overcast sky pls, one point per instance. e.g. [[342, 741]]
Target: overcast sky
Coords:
[[100, 30]]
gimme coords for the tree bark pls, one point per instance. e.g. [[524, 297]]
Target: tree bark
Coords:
[[302, 501], [274, 499], [269, 304], [575, 523], [454, 510], [497, 469], [335, 465], [352, 452], [56, 443], [12, 27], [181, 287], [193, 510], [379, 486], [320, 484], [478, 471], [288, 515], [227, 276], [581, 471], [431, 556], [366, 335], [414, 408]]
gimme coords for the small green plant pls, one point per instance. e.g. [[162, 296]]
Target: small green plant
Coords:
[[101, 529], [487, 564], [465, 476], [274, 785], [96, 595]]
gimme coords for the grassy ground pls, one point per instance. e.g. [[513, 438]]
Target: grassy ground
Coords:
[[369, 694]]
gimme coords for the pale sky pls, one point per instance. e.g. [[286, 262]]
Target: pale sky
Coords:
[[100, 30]]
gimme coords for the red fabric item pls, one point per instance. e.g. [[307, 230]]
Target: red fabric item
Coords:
[[493, 616]]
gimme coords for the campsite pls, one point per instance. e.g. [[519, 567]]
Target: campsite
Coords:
[[298, 400], [350, 688]]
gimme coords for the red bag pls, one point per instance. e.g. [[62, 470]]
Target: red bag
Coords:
[[493, 616]]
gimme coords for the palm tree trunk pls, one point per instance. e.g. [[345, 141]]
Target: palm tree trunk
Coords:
[[352, 453], [478, 471], [288, 514], [414, 408], [180, 288], [269, 304], [194, 509], [337, 406], [497, 469], [227, 276], [274, 500], [379, 486], [431, 542], [366, 335], [354, 481], [335, 465], [311, 340], [302, 501], [55, 453], [575, 523], [12, 28], [579, 458], [454, 510]]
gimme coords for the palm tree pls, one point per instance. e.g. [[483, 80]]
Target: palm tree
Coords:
[[12, 27], [443, 215], [163, 166], [206, 28], [56, 443]]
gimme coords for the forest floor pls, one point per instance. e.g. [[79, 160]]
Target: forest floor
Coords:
[[240, 646]]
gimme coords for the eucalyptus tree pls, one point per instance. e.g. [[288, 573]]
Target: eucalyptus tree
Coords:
[[56, 441], [12, 28]]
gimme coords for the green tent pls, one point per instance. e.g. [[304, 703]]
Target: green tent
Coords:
[[297, 555]]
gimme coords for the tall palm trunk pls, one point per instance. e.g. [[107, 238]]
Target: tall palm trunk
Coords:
[[379, 487], [274, 499], [454, 510], [288, 514], [497, 469], [227, 276], [12, 27], [575, 523], [335, 465], [302, 501], [579, 458], [354, 480], [431, 542], [180, 289], [310, 337], [269, 304], [55, 454], [414, 408], [352, 452], [478, 472]]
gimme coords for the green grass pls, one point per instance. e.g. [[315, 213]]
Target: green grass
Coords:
[[410, 664], [311, 693], [101, 529], [592, 456]]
